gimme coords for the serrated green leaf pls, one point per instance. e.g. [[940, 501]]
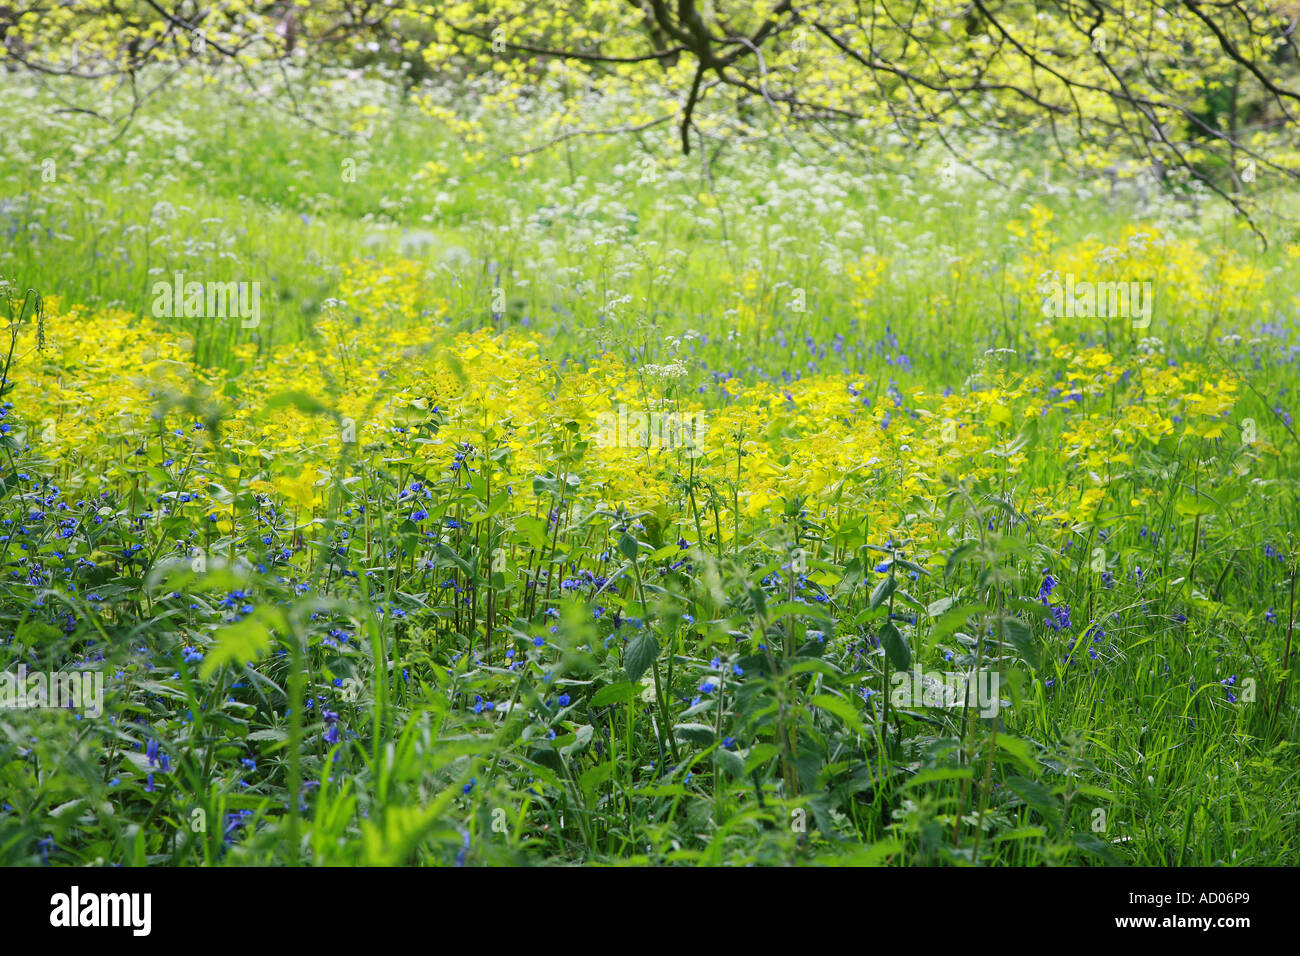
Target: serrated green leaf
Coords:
[[641, 653]]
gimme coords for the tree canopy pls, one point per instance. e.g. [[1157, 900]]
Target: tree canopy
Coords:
[[1200, 95]]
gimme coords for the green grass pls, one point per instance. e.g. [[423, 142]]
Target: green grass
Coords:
[[1137, 756]]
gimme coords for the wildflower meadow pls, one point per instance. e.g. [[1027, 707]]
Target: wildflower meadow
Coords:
[[605, 434]]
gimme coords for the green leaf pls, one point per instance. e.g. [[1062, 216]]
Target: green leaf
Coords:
[[953, 619], [627, 546], [760, 755], [956, 556], [33, 633], [641, 653], [730, 762], [244, 640], [852, 578], [1034, 794], [1090, 844], [816, 665], [1020, 750], [701, 734], [908, 599], [937, 774], [880, 593], [582, 737], [533, 529], [273, 733], [935, 608], [895, 644], [1200, 504], [594, 777], [1022, 639], [910, 566], [840, 707], [446, 552], [616, 693]]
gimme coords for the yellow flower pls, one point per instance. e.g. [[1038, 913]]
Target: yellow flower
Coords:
[[301, 490]]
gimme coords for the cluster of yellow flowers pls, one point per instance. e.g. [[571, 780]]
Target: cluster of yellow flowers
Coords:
[[1194, 290], [114, 386]]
